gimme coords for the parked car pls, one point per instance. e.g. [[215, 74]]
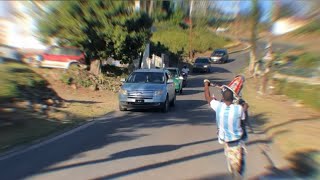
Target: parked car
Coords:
[[147, 88], [220, 56], [202, 64], [59, 57], [8, 53], [177, 79]]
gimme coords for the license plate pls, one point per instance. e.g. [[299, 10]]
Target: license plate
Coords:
[[139, 101]]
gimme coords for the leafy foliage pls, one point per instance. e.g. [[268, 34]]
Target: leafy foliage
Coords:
[[101, 28], [177, 39], [307, 60], [307, 93], [83, 78]]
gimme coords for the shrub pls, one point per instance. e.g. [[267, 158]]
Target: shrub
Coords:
[[85, 79], [65, 78], [309, 94], [177, 39], [307, 60]]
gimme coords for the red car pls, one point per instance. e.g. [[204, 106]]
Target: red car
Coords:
[[60, 57]]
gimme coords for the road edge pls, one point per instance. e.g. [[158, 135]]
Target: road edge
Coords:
[[248, 46], [50, 138]]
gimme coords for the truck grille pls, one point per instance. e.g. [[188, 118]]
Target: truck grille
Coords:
[[140, 94]]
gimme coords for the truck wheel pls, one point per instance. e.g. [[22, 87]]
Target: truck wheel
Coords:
[[173, 102], [121, 108], [166, 104]]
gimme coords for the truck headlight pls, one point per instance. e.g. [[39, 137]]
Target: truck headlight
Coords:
[[123, 91], [158, 93], [205, 66]]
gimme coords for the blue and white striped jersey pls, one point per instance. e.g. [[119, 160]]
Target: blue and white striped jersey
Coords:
[[228, 119]]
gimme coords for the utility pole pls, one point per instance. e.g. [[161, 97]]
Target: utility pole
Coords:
[[190, 30]]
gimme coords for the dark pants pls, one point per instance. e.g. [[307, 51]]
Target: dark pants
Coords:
[[244, 129]]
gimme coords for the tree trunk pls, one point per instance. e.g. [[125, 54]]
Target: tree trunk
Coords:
[[253, 60], [268, 63], [253, 52], [254, 34], [145, 5], [264, 83], [95, 67], [150, 7]]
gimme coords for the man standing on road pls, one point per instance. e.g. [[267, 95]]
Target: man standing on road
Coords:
[[185, 69], [229, 117]]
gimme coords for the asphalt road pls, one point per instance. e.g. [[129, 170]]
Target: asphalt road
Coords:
[[181, 144]]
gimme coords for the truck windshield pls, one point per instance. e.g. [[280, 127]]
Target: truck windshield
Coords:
[[146, 77], [219, 53], [202, 61]]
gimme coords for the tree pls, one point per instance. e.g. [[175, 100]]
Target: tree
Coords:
[[255, 15], [101, 28], [267, 63]]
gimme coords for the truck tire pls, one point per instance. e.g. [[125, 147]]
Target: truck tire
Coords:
[[166, 105]]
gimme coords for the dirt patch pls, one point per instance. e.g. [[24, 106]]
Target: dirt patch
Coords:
[[292, 127], [42, 104], [80, 102], [308, 41]]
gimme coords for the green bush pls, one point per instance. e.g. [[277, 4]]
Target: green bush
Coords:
[[304, 65], [176, 38], [307, 60], [308, 94], [84, 82], [84, 78], [65, 78]]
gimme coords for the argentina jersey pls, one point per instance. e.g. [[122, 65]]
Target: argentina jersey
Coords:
[[228, 120]]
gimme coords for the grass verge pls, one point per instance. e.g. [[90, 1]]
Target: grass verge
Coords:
[[22, 96], [292, 128], [14, 77], [33, 128], [312, 27], [308, 94]]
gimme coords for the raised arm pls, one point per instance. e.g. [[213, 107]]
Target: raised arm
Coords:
[[207, 91]]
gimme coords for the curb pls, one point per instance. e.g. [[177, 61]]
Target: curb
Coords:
[[240, 50], [238, 43]]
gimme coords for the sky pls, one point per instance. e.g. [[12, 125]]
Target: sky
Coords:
[[4, 9], [245, 5]]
